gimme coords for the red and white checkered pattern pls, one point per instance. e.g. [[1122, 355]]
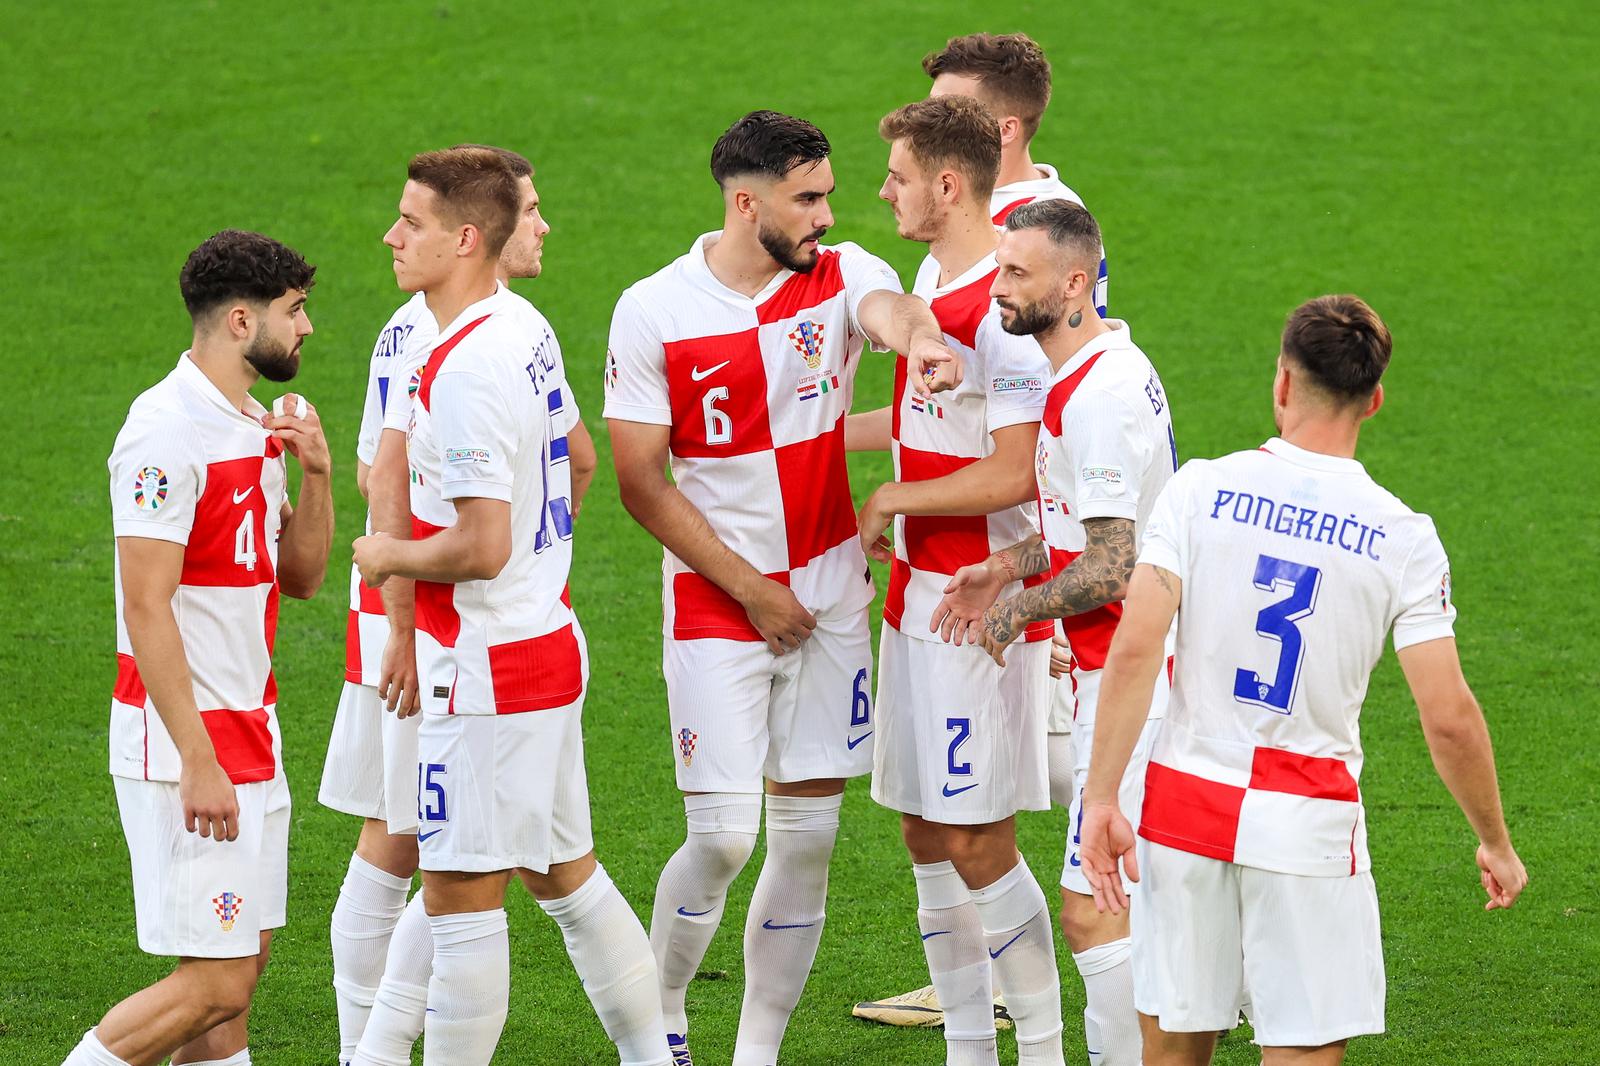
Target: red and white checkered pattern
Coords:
[[1106, 450], [747, 386], [1003, 384], [489, 422], [221, 495], [1246, 780], [1047, 186]]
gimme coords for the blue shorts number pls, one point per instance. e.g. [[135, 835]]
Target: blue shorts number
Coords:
[[860, 702], [430, 793], [1277, 622], [962, 728]]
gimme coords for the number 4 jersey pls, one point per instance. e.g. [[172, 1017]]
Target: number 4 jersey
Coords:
[[490, 421], [1294, 567]]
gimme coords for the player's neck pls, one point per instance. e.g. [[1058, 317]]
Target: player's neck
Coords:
[[738, 261], [224, 367], [1017, 167], [1319, 433], [463, 288], [1065, 341], [966, 239]]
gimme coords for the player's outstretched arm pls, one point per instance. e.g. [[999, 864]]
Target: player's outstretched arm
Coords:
[[868, 431], [973, 589], [476, 548], [1458, 739], [584, 460], [639, 451], [905, 323], [307, 535], [1098, 576], [150, 571], [1138, 655], [389, 503]]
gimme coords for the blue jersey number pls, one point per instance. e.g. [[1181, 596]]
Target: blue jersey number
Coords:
[[962, 728], [1277, 622], [555, 516]]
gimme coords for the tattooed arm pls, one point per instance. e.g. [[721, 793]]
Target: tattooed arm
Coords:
[[1097, 577], [973, 589]]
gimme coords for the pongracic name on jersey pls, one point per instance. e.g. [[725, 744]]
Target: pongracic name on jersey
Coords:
[[1300, 523]]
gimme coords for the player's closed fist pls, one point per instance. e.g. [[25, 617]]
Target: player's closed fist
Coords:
[[295, 422], [371, 556], [780, 619]]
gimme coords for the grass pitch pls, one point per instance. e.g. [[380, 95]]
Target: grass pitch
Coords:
[[1432, 157]]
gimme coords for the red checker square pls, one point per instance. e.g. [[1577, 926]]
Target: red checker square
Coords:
[[718, 390], [818, 513]]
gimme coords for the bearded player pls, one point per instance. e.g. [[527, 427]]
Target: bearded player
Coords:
[[735, 364]]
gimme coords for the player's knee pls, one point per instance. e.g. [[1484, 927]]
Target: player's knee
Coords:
[[722, 831], [225, 987], [924, 840], [1083, 927]]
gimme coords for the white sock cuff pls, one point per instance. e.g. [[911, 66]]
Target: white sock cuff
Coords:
[[1011, 902], [724, 812], [571, 907], [364, 870], [453, 929], [939, 887], [1103, 957], [238, 1058], [90, 1052], [816, 814]]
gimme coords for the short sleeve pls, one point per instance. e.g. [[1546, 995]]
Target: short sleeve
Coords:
[[1164, 540], [157, 475], [476, 433], [864, 274], [1426, 611], [372, 411], [569, 416], [1110, 449], [1017, 376], [406, 374], [636, 367]]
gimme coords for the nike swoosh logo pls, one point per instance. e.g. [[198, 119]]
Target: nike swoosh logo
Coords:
[[238, 497], [798, 925], [1074, 860], [695, 914], [951, 792], [700, 375], [993, 954], [424, 836], [853, 741], [937, 932]]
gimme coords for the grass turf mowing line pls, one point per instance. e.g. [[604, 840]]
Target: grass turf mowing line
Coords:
[[1238, 161]]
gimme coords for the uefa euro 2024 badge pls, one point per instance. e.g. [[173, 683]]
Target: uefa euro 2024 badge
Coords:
[[150, 488]]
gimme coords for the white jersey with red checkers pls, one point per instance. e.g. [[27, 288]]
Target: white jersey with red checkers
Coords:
[[1003, 384], [755, 390], [1295, 565], [190, 468], [1047, 186], [402, 347], [1106, 450], [488, 422]]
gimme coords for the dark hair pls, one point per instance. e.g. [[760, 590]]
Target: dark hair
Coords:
[[515, 160], [768, 143], [949, 131], [475, 186], [239, 265], [1341, 343], [1010, 68], [1070, 227]]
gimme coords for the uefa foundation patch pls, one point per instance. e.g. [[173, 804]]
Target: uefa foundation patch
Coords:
[[150, 488]]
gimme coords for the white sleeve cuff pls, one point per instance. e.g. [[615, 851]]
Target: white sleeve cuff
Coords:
[[135, 527], [627, 412]]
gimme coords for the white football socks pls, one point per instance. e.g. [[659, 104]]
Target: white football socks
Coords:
[[370, 903], [785, 921], [90, 1052], [693, 887], [238, 1058], [401, 1002], [611, 953], [958, 962], [1020, 935], [470, 990], [1110, 1022]]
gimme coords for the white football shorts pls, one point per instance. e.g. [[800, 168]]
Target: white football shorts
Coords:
[[961, 741], [502, 791], [196, 897], [1306, 950], [372, 759], [740, 713], [1130, 797]]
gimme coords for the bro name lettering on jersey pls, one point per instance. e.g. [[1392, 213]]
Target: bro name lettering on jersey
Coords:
[[1350, 532]]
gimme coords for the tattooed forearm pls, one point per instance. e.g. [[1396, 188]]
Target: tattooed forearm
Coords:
[[1025, 558], [1097, 577]]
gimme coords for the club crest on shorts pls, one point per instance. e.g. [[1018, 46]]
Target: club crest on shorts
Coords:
[[686, 739], [227, 907], [150, 488], [807, 340]]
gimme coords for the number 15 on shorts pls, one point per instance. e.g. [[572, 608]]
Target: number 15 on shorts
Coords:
[[431, 804]]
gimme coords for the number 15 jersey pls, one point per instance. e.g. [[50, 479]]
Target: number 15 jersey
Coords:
[[1294, 565]]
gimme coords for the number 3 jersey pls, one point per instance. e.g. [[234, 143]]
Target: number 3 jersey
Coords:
[[754, 390], [1294, 565], [190, 468], [489, 421]]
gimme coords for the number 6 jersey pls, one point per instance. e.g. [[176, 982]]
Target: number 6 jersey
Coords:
[[490, 421], [1294, 565]]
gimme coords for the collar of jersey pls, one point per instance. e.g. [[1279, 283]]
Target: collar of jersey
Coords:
[[1119, 337], [189, 371], [483, 307], [701, 271], [1316, 460], [1033, 186], [977, 270]]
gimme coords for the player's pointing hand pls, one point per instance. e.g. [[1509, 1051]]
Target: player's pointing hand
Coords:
[[296, 423], [932, 366], [210, 805]]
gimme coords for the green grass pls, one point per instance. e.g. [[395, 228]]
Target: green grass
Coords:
[[1436, 158]]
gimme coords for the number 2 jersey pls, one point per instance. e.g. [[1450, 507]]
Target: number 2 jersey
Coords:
[[489, 421], [190, 468], [1294, 565]]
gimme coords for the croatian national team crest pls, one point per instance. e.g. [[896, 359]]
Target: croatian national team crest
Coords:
[[150, 488], [807, 340], [227, 907], [686, 739]]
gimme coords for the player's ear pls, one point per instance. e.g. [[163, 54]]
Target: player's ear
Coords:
[[1010, 130], [239, 319], [1280, 384], [950, 185], [1374, 403], [744, 204]]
